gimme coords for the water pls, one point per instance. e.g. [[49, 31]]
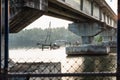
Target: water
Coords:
[[47, 55], [37, 55]]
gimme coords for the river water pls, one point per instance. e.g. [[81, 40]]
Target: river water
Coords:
[[47, 55]]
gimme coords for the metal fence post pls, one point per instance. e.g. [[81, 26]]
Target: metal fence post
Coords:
[[118, 45], [6, 40], [0, 36]]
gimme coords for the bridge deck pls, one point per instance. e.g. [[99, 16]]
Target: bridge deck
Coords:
[[73, 10], [82, 10]]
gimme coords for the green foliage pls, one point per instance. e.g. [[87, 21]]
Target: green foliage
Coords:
[[29, 38], [98, 39]]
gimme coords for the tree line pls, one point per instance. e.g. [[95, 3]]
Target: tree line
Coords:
[[28, 38]]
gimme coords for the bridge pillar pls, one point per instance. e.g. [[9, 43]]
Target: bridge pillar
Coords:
[[86, 30], [106, 38], [87, 39], [109, 35], [110, 39], [114, 36]]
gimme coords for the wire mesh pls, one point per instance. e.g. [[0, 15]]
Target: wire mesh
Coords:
[[63, 78], [38, 62]]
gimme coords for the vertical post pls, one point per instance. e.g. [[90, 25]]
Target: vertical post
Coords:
[[118, 45], [0, 36], [6, 40]]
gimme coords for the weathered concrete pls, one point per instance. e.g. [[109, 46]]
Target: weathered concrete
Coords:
[[73, 10], [86, 30], [112, 45], [109, 38], [86, 10], [24, 12], [87, 39], [109, 34], [87, 49]]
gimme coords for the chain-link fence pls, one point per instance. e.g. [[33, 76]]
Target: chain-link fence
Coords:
[[35, 64], [56, 65]]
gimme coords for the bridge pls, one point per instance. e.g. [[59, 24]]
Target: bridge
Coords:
[[73, 10], [93, 13], [90, 17]]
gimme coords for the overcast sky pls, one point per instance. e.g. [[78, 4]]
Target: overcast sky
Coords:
[[113, 4], [43, 22]]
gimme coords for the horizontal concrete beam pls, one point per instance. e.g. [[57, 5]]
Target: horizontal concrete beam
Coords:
[[94, 10], [85, 28], [87, 49]]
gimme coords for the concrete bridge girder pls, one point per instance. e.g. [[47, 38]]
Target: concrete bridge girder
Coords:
[[73, 10]]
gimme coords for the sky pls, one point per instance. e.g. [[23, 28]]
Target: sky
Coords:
[[43, 22], [113, 4]]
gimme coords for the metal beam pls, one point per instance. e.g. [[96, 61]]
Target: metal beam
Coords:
[[6, 37], [0, 35], [118, 45], [89, 74]]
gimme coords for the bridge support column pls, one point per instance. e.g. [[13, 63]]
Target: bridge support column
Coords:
[[106, 38], [86, 30], [114, 36], [87, 39], [110, 39], [109, 35]]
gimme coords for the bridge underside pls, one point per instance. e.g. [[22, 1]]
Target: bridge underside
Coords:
[[22, 15], [25, 17], [24, 12], [56, 10]]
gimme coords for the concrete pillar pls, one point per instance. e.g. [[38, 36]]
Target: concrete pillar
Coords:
[[114, 36], [110, 39], [86, 30], [87, 39], [109, 35], [106, 38]]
